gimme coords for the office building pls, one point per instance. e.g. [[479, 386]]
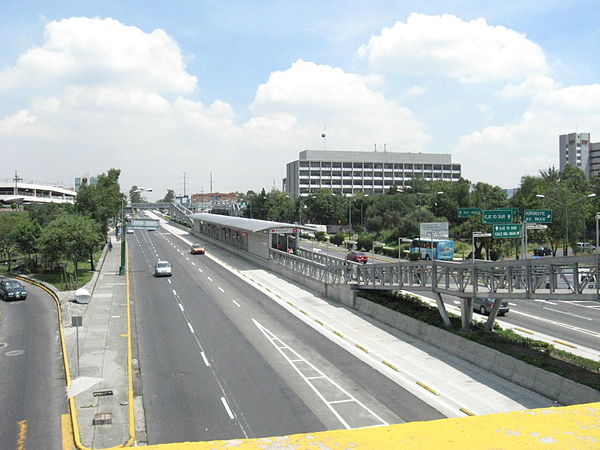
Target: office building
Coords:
[[348, 173]]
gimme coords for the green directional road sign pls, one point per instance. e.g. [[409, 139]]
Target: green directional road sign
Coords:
[[497, 215], [507, 230], [465, 213], [538, 216]]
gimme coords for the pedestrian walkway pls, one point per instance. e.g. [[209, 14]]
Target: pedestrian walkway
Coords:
[[98, 359]]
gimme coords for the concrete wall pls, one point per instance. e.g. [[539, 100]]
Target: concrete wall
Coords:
[[548, 384]]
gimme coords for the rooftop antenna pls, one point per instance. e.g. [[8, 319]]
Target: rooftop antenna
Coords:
[[324, 136], [375, 147]]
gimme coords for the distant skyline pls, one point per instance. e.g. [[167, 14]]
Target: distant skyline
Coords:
[[159, 89]]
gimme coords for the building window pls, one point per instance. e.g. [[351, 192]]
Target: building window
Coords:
[[357, 165], [378, 166], [315, 164], [347, 173], [388, 166], [337, 165], [368, 174], [347, 165], [315, 173], [326, 164]]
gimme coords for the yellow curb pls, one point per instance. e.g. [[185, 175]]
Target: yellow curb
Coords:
[[319, 322], [424, 386], [523, 330], [362, 348], [391, 366], [564, 343], [339, 334], [466, 411]]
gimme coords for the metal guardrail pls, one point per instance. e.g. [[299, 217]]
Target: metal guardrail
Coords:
[[571, 277]]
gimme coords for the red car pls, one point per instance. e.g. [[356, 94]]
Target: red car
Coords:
[[358, 257]]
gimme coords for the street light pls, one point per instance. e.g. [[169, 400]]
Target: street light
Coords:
[[566, 205], [123, 226]]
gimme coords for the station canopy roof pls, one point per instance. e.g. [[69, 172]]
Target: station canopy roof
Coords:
[[245, 224]]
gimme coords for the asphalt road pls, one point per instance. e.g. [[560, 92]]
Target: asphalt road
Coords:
[[220, 360], [32, 387]]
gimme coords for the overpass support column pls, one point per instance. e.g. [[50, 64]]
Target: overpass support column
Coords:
[[442, 309], [466, 313]]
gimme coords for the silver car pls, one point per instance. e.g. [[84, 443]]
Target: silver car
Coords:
[[484, 306], [162, 269]]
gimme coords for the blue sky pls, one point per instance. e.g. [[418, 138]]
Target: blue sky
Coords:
[[239, 88]]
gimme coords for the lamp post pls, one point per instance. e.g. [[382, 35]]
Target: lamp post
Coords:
[[123, 228], [566, 205]]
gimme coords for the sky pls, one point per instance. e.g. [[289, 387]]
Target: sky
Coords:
[[178, 93]]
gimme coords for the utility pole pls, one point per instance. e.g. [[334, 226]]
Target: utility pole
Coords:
[[16, 179], [211, 183]]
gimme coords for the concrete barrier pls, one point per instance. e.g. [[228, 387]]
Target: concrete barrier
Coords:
[[550, 385]]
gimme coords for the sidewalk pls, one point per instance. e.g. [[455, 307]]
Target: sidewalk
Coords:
[[100, 380]]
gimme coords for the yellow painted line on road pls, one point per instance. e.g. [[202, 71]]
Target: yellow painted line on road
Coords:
[[466, 411], [362, 348], [339, 334], [124, 335], [129, 357], [67, 432], [430, 389], [564, 343], [390, 365], [319, 322], [523, 330], [22, 435], [303, 312], [291, 304]]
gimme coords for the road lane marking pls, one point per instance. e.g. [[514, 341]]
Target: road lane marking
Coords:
[[221, 289], [200, 269], [191, 329], [209, 278], [22, 436], [292, 357], [568, 314], [236, 304], [539, 300], [193, 263], [227, 408], [180, 306], [169, 280], [205, 360], [174, 292]]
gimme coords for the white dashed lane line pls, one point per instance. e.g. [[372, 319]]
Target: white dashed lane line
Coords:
[[236, 304], [180, 307], [209, 278], [205, 359], [227, 408], [191, 328], [221, 289]]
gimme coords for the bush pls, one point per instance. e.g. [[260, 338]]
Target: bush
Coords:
[[378, 249], [337, 239], [414, 256], [321, 236], [390, 251], [364, 243]]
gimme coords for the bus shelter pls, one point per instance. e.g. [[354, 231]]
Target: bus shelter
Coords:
[[251, 235]]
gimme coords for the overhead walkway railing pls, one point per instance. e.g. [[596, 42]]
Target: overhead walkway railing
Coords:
[[572, 277]]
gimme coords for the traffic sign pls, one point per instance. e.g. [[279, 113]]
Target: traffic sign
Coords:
[[434, 230], [536, 226], [481, 234], [507, 230], [497, 215], [465, 213], [538, 216]]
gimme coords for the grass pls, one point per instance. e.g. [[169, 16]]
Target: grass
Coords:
[[537, 353], [57, 278]]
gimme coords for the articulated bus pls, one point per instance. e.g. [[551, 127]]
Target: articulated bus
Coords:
[[433, 249]]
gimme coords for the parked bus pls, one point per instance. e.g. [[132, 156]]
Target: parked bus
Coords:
[[442, 249]]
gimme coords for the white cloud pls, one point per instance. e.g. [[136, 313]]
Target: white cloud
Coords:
[[502, 154], [356, 115], [533, 85], [448, 46], [93, 51], [105, 104], [416, 90]]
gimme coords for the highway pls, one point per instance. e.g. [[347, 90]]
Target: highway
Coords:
[[574, 322], [32, 388], [220, 360]]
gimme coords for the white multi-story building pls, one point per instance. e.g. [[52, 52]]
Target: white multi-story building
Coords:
[[574, 150], [19, 192], [348, 173]]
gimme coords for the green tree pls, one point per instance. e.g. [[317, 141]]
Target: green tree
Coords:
[[135, 196], [10, 226], [71, 236], [169, 196], [27, 232], [326, 208], [280, 207], [102, 201], [44, 213]]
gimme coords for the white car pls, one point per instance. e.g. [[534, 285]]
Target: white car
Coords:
[[162, 269]]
